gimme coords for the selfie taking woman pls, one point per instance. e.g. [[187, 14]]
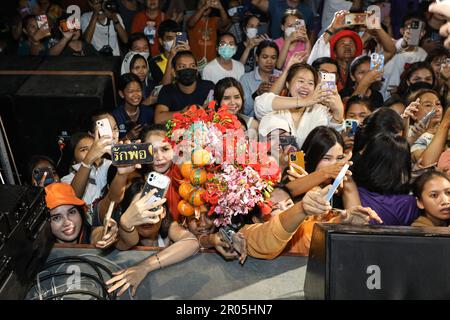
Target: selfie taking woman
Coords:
[[308, 105]]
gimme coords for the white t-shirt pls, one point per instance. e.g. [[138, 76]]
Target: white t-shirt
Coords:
[[214, 72], [100, 37], [317, 115], [97, 180]]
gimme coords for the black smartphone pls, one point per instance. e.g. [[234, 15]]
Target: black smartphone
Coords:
[[288, 141], [181, 37], [133, 153], [38, 173]]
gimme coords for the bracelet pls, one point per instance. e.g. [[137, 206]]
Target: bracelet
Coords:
[[85, 165], [127, 231], [159, 262], [329, 32]]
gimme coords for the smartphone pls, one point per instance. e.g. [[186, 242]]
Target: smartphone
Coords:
[[226, 234], [355, 19], [70, 25], [328, 80], [298, 158], [351, 126], [132, 153], [415, 29], [156, 90], [337, 182], [377, 59], [426, 118], [263, 28], [288, 141], [38, 173], [181, 37], [42, 21], [104, 128], [157, 181], [299, 23]]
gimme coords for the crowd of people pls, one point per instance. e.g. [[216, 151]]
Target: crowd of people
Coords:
[[384, 113]]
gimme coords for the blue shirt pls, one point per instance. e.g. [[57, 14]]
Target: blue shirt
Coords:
[[146, 117], [250, 83], [276, 11]]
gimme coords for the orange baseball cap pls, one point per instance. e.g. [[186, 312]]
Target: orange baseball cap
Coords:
[[58, 194]]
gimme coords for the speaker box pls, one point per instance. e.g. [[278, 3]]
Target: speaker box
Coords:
[[378, 262], [25, 238], [53, 95]]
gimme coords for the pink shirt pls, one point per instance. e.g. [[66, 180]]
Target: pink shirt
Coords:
[[300, 46]]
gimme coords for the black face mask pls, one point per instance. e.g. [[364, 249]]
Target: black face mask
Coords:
[[419, 85], [186, 76]]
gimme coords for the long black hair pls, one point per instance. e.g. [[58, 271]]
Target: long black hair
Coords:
[[384, 165], [317, 143], [382, 120]]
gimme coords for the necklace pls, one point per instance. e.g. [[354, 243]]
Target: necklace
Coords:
[[133, 116]]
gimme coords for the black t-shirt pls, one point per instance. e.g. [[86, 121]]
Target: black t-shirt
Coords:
[[376, 98], [172, 97]]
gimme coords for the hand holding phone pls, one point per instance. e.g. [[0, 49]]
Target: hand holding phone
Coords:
[[337, 182], [297, 158], [351, 126], [156, 181], [181, 37]]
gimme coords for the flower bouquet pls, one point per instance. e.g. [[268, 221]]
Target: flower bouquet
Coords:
[[223, 170]]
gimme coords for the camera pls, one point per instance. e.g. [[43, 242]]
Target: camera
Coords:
[[108, 5], [106, 50]]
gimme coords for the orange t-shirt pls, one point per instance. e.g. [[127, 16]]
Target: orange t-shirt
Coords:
[[204, 34], [140, 22]]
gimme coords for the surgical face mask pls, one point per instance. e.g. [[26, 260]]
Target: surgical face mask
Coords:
[[145, 54], [251, 33], [168, 45], [227, 51], [288, 31]]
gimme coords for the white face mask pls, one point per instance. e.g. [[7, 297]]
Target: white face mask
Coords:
[[144, 54], [251, 33], [168, 45], [288, 31]]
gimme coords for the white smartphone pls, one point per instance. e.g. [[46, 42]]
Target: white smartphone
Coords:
[[157, 181], [415, 30], [337, 182], [104, 128], [156, 90], [328, 80]]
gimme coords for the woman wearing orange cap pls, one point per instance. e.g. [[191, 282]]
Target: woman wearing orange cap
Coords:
[[68, 219]]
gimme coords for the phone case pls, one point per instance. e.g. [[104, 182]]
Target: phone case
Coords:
[[181, 37], [328, 80], [352, 125], [288, 141], [42, 21], [104, 128], [355, 19], [415, 30], [130, 154], [158, 181], [336, 182], [377, 59], [298, 158]]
